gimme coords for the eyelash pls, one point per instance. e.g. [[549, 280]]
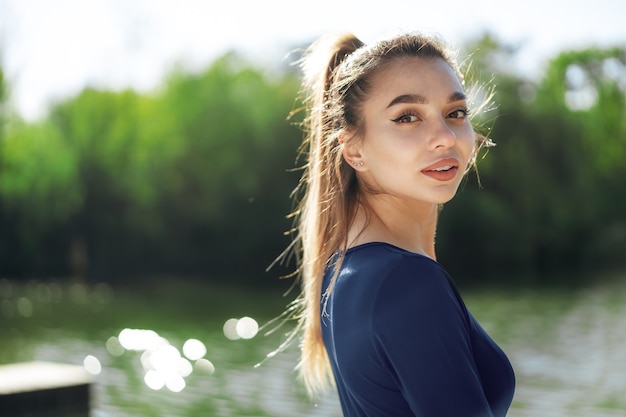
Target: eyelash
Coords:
[[402, 116], [464, 111]]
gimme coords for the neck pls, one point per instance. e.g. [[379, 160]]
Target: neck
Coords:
[[411, 226]]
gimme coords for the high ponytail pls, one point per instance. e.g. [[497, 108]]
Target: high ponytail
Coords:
[[322, 209]]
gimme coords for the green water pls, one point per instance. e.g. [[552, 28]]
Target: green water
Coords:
[[567, 347]]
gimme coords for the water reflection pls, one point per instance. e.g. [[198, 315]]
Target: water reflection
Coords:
[[140, 340], [24, 307], [114, 347], [163, 364], [194, 349], [567, 349], [19, 300], [205, 365], [92, 365], [243, 328]]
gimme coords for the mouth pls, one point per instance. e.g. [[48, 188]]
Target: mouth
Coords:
[[443, 170]]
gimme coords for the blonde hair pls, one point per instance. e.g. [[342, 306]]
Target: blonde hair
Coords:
[[337, 79]]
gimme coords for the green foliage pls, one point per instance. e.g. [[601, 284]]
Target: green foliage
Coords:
[[552, 198], [237, 149], [190, 180], [234, 124], [590, 85], [39, 174], [195, 178], [3, 98]]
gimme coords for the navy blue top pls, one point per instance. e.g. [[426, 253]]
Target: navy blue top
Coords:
[[402, 343]]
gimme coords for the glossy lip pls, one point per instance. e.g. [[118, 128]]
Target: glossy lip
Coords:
[[442, 163]]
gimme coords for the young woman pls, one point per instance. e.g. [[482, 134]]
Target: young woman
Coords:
[[388, 140]]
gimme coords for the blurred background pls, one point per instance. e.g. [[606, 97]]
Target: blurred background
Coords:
[[146, 162]]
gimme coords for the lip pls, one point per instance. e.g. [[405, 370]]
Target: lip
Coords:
[[447, 175], [442, 163]]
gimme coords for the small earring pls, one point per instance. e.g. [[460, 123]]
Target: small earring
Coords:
[[359, 164]]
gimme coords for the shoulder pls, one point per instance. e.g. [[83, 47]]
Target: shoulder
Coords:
[[398, 267], [416, 278], [392, 268], [380, 279], [417, 289], [379, 252]]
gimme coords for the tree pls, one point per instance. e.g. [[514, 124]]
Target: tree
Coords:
[[550, 192], [189, 180]]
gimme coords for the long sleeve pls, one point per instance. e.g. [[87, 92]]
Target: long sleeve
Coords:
[[402, 343], [423, 332]]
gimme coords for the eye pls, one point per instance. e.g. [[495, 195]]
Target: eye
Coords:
[[407, 117], [459, 114]]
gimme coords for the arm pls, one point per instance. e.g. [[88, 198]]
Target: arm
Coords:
[[423, 338]]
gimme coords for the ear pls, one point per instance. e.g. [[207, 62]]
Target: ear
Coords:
[[351, 150]]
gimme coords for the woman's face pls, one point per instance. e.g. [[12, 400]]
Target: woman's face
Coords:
[[418, 140]]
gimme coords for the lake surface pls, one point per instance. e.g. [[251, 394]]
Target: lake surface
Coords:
[[180, 349]]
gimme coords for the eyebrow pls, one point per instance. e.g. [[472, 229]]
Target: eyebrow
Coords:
[[420, 99]]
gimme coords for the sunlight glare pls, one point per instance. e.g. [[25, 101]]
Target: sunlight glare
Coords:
[[165, 358], [205, 365], [184, 367], [136, 339], [581, 99], [230, 329], [92, 365], [247, 327], [174, 382], [154, 380], [194, 349], [581, 94], [243, 328], [163, 363]]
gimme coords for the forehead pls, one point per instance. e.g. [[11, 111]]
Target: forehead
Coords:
[[432, 78]]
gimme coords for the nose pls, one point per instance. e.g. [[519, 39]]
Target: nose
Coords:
[[442, 135]]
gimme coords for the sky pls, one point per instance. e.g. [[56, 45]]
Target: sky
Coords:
[[51, 50]]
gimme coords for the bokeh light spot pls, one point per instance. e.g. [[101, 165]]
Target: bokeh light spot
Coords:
[[154, 380], [24, 307], [44, 295], [175, 382], [56, 292], [247, 327], [230, 329], [92, 365], [78, 293], [136, 339], [194, 349], [165, 358], [205, 365], [114, 347], [163, 363], [184, 367]]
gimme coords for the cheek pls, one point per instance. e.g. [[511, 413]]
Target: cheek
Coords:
[[467, 142], [390, 153]]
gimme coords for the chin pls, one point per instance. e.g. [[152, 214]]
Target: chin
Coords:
[[443, 198]]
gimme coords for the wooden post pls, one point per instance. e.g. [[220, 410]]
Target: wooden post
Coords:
[[44, 389]]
